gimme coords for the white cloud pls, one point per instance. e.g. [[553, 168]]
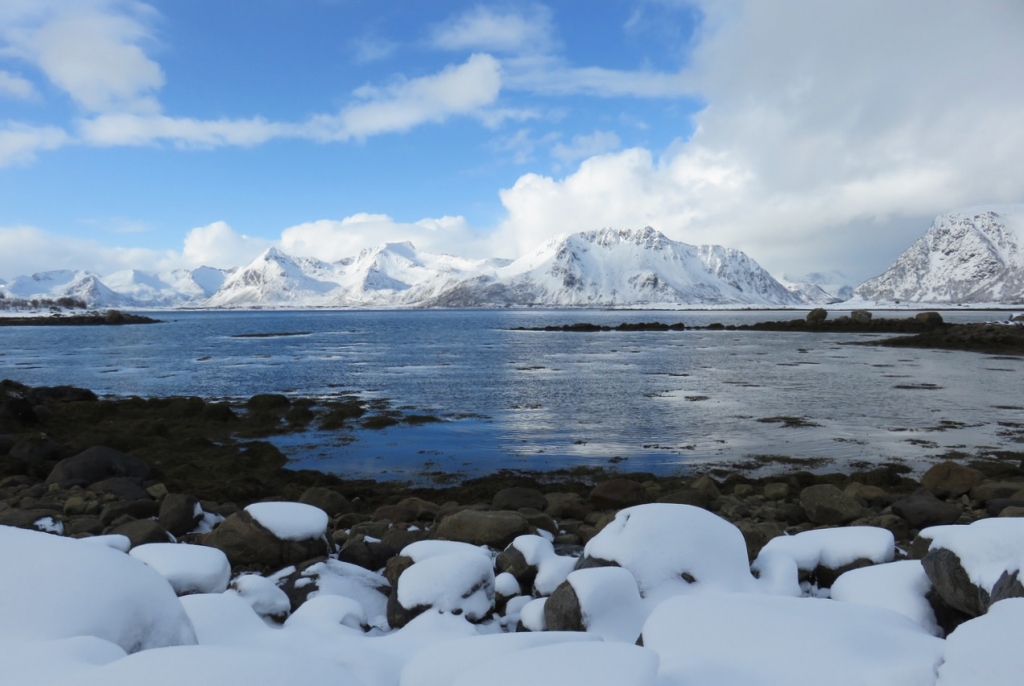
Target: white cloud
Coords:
[[463, 89], [833, 133], [14, 86], [596, 143], [145, 129], [550, 76], [482, 28], [332, 240], [91, 49], [218, 245], [373, 49], [20, 142]]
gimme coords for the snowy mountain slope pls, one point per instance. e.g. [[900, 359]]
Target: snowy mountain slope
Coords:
[[613, 267], [81, 285], [275, 278], [971, 256]]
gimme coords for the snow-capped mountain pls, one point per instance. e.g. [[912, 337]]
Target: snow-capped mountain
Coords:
[[970, 256], [613, 267], [590, 269]]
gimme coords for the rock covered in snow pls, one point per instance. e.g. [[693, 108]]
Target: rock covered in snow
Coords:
[[900, 586], [535, 565], [271, 535], [460, 583], [986, 650], [188, 568], [491, 528], [601, 600], [59, 588]]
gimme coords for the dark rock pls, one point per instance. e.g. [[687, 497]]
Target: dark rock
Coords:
[[562, 610], [924, 510], [539, 520], [687, 496], [929, 318], [137, 509], [376, 529], [992, 491], [861, 316], [513, 561], [996, 506], [397, 538], [96, 464], [946, 617], [394, 568], [37, 449], [268, 402], [617, 494], [952, 583], [757, 534], [331, 502], [372, 555], [142, 531], [824, 576], [37, 519], [394, 513], [425, 510], [249, 544], [818, 314], [347, 521], [949, 479], [122, 487], [495, 529], [826, 504], [517, 498], [776, 490], [179, 513], [85, 524], [706, 485], [566, 505]]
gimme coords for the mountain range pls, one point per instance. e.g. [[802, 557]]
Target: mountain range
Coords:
[[973, 256], [604, 268]]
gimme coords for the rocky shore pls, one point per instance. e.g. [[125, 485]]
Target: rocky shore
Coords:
[[108, 318], [185, 487]]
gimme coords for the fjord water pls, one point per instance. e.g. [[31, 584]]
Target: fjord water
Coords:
[[652, 401]]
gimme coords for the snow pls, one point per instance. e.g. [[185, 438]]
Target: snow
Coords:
[[447, 661], [532, 615], [459, 582], [609, 602], [422, 550], [506, 585], [767, 640], [551, 567], [325, 611], [567, 664], [660, 542], [116, 541], [897, 586], [986, 650], [290, 521], [59, 588], [59, 661], [262, 594], [334, 577], [188, 568], [986, 548]]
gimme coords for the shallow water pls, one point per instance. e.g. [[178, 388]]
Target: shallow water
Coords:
[[655, 401]]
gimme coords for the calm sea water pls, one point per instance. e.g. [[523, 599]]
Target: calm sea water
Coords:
[[657, 401]]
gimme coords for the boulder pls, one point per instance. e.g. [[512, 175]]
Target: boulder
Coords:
[[122, 487], [180, 513], [861, 316], [687, 496], [142, 531], [706, 485], [826, 504], [517, 497], [138, 509], [776, 491], [461, 583], [929, 318], [818, 314], [950, 479], [330, 501], [617, 494], [924, 510], [757, 534], [495, 529], [36, 520], [395, 514], [95, 464], [999, 489], [425, 510], [566, 505], [371, 555], [247, 543]]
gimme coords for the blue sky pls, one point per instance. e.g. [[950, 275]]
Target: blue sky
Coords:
[[814, 136]]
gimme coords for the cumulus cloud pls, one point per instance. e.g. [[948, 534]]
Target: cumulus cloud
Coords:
[[28, 250], [219, 245], [332, 240], [483, 28], [14, 86], [833, 133], [19, 143], [459, 89], [91, 49]]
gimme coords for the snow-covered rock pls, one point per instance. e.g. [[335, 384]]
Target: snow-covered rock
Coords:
[[188, 568], [461, 583], [898, 586], [567, 664], [290, 521], [262, 595], [986, 650], [602, 600], [57, 588], [971, 256]]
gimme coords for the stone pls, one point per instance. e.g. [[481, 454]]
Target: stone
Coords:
[[95, 464], [687, 496], [398, 538], [158, 491], [873, 495], [122, 487], [776, 491], [562, 611], [954, 586], [495, 529], [517, 498], [743, 490], [330, 501], [991, 491], [826, 504], [394, 513], [425, 510], [1012, 511], [249, 544], [34, 520], [818, 314], [76, 505], [179, 513], [38, 448], [929, 318], [757, 534], [706, 485], [924, 510], [372, 555], [566, 506], [137, 509], [618, 494], [996, 506], [539, 520], [142, 531], [861, 316], [89, 525], [950, 479]]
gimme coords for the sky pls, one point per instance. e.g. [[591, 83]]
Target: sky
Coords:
[[815, 136]]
